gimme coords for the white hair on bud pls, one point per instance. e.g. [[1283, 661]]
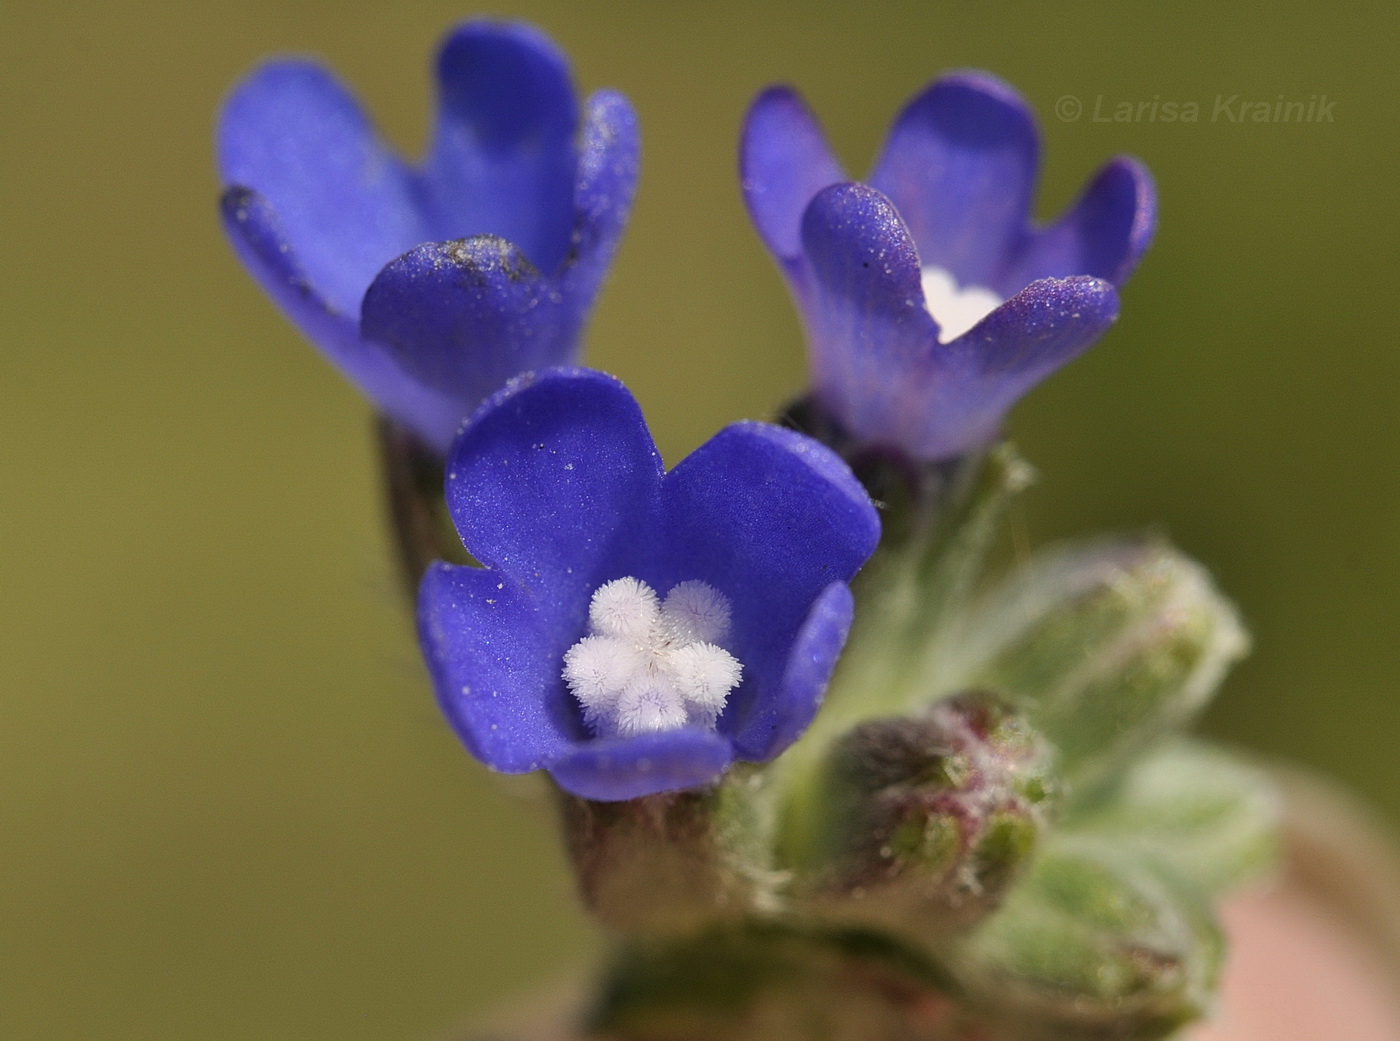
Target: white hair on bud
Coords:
[[647, 666], [625, 608], [696, 612], [955, 308]]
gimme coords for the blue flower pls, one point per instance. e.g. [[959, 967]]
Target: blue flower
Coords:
[[930, 300], [432, 285], [635, 631]]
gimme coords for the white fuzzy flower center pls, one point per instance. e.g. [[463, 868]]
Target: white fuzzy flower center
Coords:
[[956, 309], [648, 665]]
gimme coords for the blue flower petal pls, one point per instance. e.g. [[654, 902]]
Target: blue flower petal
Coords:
[[1104, 234], [864, 308], [261, 243], [295, 135], [556, 486], [503, 160], [878, 365], [952, 189], [960, 164], [609, 161], [465, 317], [495, 660], [784, 161], [769, 518], [976, 379], [779, 719], [610, 770], [556, 482], [317, 205], [1040, 328]]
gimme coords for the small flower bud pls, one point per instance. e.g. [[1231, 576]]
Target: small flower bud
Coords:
[[1095, 942], [922, 823], [1105, 647]]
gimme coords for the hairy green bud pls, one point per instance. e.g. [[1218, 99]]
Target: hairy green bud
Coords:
[[1107, 647], [1198, 808], [1097, 943], [921, 823]]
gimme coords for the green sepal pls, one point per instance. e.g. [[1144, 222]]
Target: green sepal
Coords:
[[1197, 808], [678, 862], [1097, 942], [777, 983], [934, 548], [940, 524]]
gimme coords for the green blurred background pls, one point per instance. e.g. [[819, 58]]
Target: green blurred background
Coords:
[[228, 809]]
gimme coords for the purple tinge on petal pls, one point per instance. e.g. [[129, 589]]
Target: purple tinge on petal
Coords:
[[260, 241], [784, 161], [556, 482], [466, 316], [609, 162], [769, 518], [503, 158], [773, 723], [291, 132], [495, 653], [863, 305], [1104, 234], [610, 770], [960, 164], [960, 399]]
